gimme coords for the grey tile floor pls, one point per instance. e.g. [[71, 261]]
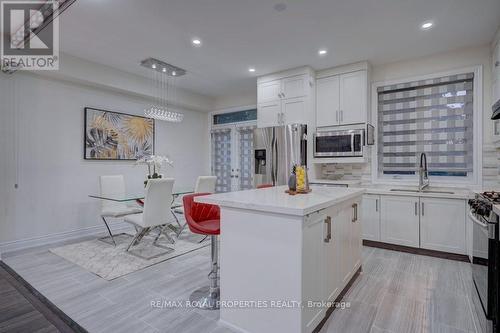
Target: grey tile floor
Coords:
[[397, 292]]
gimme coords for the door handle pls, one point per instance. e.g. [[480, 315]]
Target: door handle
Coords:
[[416, 207], [355, 212], [376, 205], [423, 210], [328, 222]]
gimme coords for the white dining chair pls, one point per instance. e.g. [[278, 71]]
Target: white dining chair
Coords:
[[204, 184], [156, 214], [114, 187]]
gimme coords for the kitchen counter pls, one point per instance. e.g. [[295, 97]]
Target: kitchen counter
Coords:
[[384, 189], [278, 248], [340, 182], [275, 200]]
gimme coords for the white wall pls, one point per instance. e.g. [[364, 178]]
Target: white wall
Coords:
[[47, 159], [234, 101]]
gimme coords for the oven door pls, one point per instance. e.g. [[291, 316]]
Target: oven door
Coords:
[[338, 144], [484, 257]]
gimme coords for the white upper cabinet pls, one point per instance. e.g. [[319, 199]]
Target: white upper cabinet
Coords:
[[269, 91], [285, 98], [293, 110], [269, 114], [296, 86], [353, 98], [342, 99], [442, 225], [496, 73], [327, 101]]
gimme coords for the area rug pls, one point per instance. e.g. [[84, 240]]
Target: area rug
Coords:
[[110, 262]]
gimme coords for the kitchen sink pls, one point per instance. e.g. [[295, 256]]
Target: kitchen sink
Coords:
[[423, 191]]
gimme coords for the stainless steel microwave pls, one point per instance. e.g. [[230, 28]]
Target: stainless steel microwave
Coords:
[[344, 143]]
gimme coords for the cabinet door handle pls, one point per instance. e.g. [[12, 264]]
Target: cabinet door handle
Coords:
[[376, 205], [328, 222], [355, 211], [423, 210], [337, 116], [416, 207], [282, 118]]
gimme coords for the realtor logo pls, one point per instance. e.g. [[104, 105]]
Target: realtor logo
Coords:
[[30, 35]]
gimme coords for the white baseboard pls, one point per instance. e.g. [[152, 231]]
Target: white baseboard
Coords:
[[26, 243]]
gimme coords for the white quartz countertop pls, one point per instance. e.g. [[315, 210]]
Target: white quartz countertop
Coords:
[[349, 182], [275, 200], [431, 191]]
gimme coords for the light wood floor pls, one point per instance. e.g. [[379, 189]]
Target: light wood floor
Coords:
[[397, 292]]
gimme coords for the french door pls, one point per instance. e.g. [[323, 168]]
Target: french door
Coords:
[[233, 157]]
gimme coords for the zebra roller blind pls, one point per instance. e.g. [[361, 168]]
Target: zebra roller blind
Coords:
[[433, 116]]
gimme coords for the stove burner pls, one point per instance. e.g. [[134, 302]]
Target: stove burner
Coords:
[[492, 196]]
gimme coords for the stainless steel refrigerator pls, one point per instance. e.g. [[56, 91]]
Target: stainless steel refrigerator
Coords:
[[277, 150]]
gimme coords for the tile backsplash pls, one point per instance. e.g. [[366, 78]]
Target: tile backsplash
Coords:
[[362, 171]]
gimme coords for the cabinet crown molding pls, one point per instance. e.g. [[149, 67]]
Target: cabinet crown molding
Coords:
[[358, 66], [286, 73]]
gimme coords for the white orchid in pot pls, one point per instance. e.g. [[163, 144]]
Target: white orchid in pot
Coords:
[[154, 163]]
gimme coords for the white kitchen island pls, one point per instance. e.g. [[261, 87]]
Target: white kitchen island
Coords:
[[283, 257]]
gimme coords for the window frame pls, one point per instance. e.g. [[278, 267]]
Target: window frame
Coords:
[[475, 178]]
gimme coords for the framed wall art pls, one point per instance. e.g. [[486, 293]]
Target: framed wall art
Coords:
[[115, 136]]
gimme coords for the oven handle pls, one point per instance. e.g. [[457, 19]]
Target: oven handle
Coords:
[[475, 220], [490, 228]]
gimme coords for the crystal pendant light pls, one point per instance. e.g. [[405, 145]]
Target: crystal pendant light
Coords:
[[163, 77]]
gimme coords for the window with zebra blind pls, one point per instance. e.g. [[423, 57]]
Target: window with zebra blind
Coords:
[[433, 116]]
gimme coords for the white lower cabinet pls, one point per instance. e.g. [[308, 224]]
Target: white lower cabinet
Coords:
[[313, 279], [442, 225], [422, 222], [370, 217], [399, 220], [331, 257]]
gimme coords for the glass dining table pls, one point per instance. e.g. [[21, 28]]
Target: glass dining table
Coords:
[[176, 192], [139, 197]]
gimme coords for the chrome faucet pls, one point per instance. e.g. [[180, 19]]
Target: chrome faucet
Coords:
[[423, 174]]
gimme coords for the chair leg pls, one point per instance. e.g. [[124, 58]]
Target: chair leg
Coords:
[[109, 230], [163, 230], [208, 297], [138, 236]]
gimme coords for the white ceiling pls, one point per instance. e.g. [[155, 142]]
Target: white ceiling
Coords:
[[237, 34]]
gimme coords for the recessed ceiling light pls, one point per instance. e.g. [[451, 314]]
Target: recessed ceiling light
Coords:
[[174, 73], [163, 69], [251, 69], [153, 66], [322, 52], [196, 42], [280, 7], [426, 25]]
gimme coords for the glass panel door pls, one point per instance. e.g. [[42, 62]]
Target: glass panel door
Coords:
[[246, 158], [221, 159]]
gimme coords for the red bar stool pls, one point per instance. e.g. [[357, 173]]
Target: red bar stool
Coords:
[[204, 219], [264, 185]]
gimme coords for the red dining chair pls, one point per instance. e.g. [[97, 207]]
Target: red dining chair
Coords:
[[264, 185], [204, 219]]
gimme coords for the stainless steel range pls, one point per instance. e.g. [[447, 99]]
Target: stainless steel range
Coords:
[[486, 255]]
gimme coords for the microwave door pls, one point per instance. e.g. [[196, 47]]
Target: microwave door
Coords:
[[333, 145]]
